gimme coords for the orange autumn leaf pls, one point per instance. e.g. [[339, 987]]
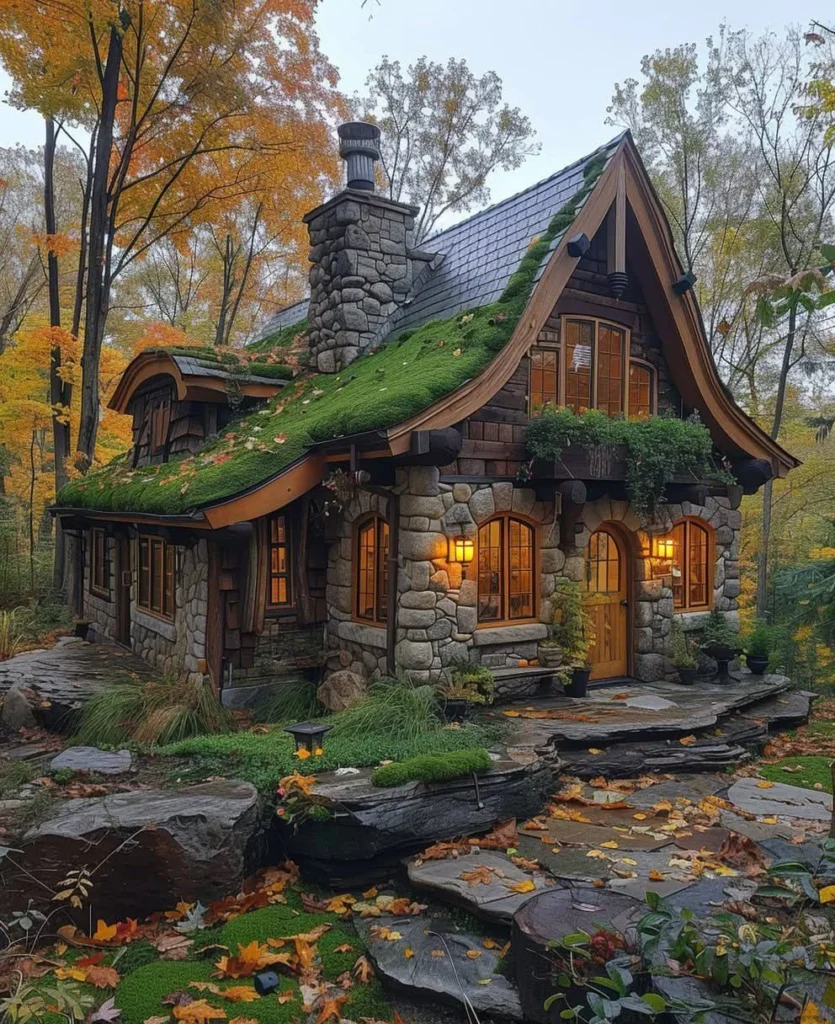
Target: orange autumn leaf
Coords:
[[330, 1008], [525, 885], [239, 994], [363, 970], [198, 1010], [656, 876], [102, 976], [305, 952], [687, 741], [104, 932], [477, 876]]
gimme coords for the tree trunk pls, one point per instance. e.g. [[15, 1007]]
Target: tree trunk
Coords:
[[98, 277], [765, 536], [60, 393]]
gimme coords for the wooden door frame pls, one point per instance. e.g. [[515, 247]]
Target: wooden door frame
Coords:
[[626, 545], [123, 591]]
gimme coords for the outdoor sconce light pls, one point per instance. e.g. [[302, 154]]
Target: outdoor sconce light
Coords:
[[578, 246], [461, 549], [308, 736], [266, 982], [663, 547]]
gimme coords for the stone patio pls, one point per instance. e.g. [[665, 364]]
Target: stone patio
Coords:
[[65, 676]]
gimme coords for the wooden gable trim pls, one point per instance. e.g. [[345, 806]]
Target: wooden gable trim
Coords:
[[475, 393], [189, 387], [295, 481], [686, 347]]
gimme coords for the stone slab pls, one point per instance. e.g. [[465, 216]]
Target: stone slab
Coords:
[[495, 902], [650, 703], [439, 968], [91, 759], [782, 800], [579, 833], [755, 830], [692, 787]]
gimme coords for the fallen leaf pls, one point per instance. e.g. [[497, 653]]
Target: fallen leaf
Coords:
[[596, 854], [610, 844], [827, 894], [199, 1010], [656, 876], [478, 876], [344, 948], [687, 741], [438, 953], [473, 954], [363, 970], [525, 885], [70, 974], [595, 750], [489, 943], [103, 977], [639, 817], [485, 981], [408, 953], [330, 1008], [205, 986], [371, 893], [104, 932], [244, 1020], [239, 994], [379, 932], [156, 1020]]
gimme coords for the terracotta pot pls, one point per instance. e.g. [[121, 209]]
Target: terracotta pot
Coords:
[[757, 663], [687, 676], [578, 685]]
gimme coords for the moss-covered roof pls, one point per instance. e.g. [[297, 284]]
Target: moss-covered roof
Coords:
[[380, 389]]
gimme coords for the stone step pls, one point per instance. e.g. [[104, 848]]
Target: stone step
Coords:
[[431, 958], [481, 882]]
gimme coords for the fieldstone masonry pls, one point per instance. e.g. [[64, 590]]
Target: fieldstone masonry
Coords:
[[360, 275], [175, 648], [437, 615]]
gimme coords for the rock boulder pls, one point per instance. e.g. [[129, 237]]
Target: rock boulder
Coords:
[[17, 710], [154, 846], [341, 690]]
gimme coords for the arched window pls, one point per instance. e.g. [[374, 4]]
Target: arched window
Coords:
[[371, 549], [506, 570], [692, 566]]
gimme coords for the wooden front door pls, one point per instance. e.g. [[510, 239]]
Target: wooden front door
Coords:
[[123, 582], [606, 585]]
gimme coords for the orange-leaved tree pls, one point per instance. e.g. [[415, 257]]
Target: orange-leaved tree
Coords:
[[188, 107]]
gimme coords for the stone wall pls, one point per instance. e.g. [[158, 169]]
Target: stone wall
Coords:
[[359, 276], [100, 611], [175, 648]]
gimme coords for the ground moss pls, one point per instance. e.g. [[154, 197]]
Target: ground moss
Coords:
[[280, 339], [433, 768], [378, 390], [812, 769]]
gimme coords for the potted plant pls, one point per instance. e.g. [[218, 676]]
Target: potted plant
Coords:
[[683, 656], [720, 642], [574, 631], [759, 645], [468, 686]]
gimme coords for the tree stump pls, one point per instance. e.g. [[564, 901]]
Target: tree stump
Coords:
[[552, 915]]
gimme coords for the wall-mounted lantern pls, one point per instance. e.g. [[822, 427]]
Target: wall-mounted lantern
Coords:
[[461, 549], [663, 547]]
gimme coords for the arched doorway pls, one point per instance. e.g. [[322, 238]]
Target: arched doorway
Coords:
[[607, 587]]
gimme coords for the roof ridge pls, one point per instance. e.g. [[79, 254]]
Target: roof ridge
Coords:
[[612, 143]]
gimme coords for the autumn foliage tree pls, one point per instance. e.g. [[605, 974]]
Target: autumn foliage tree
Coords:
[[187, 107]]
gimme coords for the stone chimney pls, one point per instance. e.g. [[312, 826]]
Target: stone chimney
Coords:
[[359, 245]]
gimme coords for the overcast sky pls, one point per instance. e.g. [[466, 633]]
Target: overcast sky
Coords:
[[558, 60]]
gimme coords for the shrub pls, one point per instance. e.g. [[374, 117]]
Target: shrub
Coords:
[[433, 768], [717, 632], [471, 682], [683, 649], [761, 641], [10, 633], [573, 629], [151, 712]]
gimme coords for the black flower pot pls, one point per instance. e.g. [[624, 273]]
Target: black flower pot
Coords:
[[757, 663], [578, 684], [722, 655], [687, 676], [457, 709]]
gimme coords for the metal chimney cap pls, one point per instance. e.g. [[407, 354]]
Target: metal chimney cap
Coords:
[[359, 145]]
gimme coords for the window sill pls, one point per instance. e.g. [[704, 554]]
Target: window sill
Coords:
[[517, 632], [102, 595], [360, 633], [163, 627]]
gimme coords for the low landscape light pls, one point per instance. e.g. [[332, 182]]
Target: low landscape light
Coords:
[[461, 549], [308, 736], [266, 982]]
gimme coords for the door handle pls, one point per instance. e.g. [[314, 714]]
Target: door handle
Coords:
[[624, 603]]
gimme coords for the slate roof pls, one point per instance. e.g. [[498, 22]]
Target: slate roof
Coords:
[[478, 255]]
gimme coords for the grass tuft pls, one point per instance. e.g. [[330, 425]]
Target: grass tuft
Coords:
[[151, 713], [293, 701], [390, 706], [813, 769]]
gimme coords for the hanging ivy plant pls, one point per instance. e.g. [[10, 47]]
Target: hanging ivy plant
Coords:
[[658, 449]]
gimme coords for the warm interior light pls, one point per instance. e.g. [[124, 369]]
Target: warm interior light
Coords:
[[461, 549], [663, 547]]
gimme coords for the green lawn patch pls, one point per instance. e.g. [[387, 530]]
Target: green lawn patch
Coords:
[[379, 389], [455, 764], [813, 769], [265, 758], [141, 992]]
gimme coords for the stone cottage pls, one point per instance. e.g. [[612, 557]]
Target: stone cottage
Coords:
[[380, 509]]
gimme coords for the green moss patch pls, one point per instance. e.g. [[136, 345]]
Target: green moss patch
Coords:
[[433, 768], [378, 390], [806, 772], [265, 758], [284, 338]]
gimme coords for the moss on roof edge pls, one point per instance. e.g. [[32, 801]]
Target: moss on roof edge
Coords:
[[383, 387]]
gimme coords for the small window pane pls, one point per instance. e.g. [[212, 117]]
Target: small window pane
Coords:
[[640, 391], [579, 357], [610, 342], [371, 560], [544, 377], [521, 570], [157, 576], [279, 588], [490, 574], [697, 566]]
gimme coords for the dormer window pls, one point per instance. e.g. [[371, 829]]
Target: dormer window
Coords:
[[160, 421], [584, 366]]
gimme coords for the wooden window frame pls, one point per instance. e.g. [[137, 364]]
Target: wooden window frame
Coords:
[[166, 566], [283, 606], [688, 522], [653, 384], [160, 425], [544, 344], [505, 518], [379, 616], [100, 589]]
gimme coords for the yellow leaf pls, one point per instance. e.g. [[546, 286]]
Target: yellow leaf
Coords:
[[511, 714], [526, 885], [769, 819], [408, 952], [610, 845], [70, 974], [473, 954], [489, 943], [104, 932], [597, 854], [811, 1014], [595, 750], [438, 953], [639, 817], [628, 860], [344, 948], [199, 1010], [240, 994], [485, 981], [656, 876], [687, 741], [379, 932], [827, 894], [764, 784]]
